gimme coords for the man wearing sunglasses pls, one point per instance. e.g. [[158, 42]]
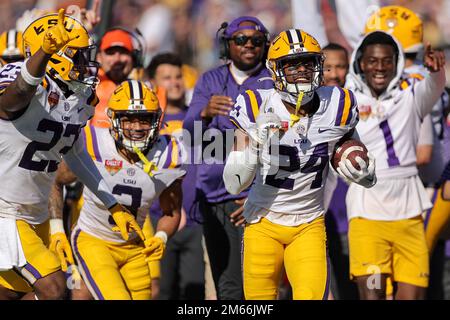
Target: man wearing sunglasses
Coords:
[[243, 45]]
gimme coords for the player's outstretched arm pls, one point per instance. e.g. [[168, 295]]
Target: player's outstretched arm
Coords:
[[58, 239], [171, 201], [240, 166], [428, 91], [19, 93]]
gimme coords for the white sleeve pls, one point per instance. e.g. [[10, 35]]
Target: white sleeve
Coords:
[[428, 91], [241, 112], [82, 165], [240, 170], [426, 132]]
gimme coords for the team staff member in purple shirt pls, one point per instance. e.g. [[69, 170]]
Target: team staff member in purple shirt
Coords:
[[243, 44]]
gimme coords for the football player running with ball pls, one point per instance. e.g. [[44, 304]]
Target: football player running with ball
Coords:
[[44, 103], [284, 211]]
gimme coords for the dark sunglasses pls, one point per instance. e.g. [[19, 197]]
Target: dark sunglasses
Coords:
[[241, 40]]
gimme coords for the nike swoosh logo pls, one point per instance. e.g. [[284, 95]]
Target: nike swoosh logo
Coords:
[[320, 130], [79, 109], [239, 178]]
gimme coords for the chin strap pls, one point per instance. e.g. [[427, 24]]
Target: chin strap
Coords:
[[149, 166], [294, 117]]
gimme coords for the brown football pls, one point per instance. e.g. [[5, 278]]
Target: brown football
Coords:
[[350, 149]]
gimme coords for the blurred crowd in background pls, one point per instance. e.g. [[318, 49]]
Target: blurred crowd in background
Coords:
[[189, 27]]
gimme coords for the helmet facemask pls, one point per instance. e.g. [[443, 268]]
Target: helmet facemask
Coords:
[[143, 139], [291, 81], [83, 68]]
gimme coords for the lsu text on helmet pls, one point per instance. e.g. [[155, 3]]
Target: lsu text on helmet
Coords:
[[133, 99], [75, 63], [11, 48], [402, 23], [291, 49]]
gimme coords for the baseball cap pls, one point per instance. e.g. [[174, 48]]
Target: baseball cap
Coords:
[[116, 38], [235, 25]]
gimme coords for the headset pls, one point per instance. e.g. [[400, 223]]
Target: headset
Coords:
[[138, 42], [224, 46]]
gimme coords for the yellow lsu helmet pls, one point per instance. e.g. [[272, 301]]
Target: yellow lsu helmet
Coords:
[[75, 63], [134, 98], [402, 23], [295, 46], [11, 48]]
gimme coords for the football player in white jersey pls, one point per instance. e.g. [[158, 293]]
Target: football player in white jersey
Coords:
[[405, 25], [386, 232], [112, 268], [44, 103], [285, 207]]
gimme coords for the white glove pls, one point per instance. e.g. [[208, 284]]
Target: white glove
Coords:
[[365, 176], [267, 124]]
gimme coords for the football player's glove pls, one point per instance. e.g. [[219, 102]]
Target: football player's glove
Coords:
[[125, 222], [59, 243], [155, 247], [365, 177], [267, 125], [56, 37]]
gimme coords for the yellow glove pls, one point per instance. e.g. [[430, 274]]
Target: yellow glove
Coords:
[[57, 36], [59, 243], [155, 269], [147, 229], [149, 166], [125, 222], [155, 247]]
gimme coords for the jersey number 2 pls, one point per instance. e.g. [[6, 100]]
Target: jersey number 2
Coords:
[[320, 152]]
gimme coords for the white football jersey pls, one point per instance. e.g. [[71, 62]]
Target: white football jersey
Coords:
[[430, 173], [132, 187], [296, 185], [390, 127], [31, 145]]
